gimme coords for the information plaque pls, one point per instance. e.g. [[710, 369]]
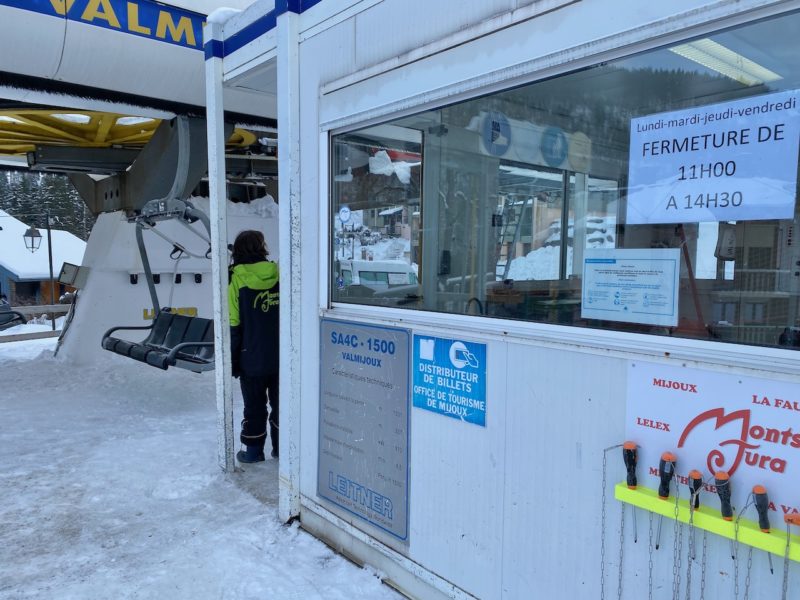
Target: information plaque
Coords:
[[363, 422]]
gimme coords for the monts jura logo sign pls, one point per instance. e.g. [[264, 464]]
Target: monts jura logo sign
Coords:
[[715, 421], [759, 455]]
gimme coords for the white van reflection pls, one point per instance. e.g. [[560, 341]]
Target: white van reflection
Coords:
[[377, 275]]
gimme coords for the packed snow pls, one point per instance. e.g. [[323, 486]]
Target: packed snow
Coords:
[[111, 490], [543, 263]]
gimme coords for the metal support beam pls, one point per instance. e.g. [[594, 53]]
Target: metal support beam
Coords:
[[219, 250], [169, 166], [59, 159], [291, 325]]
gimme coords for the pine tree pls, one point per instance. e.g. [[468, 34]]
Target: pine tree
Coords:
[[29, 195]]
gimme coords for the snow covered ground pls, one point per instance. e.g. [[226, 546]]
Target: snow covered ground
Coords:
[[110, 489]]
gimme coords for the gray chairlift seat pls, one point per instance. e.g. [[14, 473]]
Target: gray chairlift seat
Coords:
[[10, 318], [173, 341]]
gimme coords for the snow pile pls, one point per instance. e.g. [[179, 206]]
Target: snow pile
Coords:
[[265, 207], [20, 351], [543, 263], [539, 264], [114, 492]]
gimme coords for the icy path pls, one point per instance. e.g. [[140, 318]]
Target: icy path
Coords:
[[109, 489]]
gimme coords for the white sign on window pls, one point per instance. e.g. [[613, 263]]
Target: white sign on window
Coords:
[[630, 285], [724, 162], [712, 421]]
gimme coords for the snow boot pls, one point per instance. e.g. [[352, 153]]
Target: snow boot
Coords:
[[252, 454]]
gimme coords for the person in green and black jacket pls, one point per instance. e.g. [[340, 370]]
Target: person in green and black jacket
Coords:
[[254, 300]]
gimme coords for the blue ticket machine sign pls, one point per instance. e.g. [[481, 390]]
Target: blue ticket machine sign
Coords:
[[450, 378]]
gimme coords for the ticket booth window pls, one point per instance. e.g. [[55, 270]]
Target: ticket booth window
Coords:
[[653, 194]]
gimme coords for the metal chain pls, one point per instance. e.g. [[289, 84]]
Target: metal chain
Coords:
[[676, 550], [750, 500], [650, 560], [621, 547], [703, 566], [603, 530], [747, 573], [785, 588], [603, 523]]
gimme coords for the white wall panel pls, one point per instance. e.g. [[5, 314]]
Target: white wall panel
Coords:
[[537, 47], [393, 28], [321, 54], [333, 51], [563, 409], [31, 43], [457, 479]]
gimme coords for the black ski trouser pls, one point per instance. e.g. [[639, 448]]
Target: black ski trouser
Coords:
[[256, 391]]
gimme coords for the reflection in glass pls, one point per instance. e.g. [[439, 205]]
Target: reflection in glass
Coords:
[[491, 206]]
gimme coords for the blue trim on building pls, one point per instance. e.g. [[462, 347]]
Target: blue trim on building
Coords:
[[309, 4], [250, 33], [142, 18], [263, 24], [214, 49], [283, 6]]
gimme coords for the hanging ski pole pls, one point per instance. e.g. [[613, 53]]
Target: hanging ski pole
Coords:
[[790, 519], [762, 504], [629, 456], [666, 471], [723, 482]]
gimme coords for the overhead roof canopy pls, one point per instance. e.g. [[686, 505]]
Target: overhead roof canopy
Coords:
[[142, 53]]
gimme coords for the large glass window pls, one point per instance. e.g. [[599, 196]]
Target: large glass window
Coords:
[[654, 194]]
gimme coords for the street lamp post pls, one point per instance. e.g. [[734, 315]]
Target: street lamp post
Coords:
[[33, 240]]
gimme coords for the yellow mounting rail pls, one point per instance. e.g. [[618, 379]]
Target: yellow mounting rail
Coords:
[[711, 520], [22, 130]]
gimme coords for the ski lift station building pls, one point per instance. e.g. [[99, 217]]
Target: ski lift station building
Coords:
[[601, 199], [594, 204]]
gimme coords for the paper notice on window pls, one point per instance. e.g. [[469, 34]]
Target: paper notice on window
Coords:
[[723, 162], [633, 286]]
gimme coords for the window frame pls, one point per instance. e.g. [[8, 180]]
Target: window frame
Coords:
[[608, 342]]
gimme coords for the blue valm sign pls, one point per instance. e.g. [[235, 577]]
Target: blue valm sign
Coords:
[[143, 18], [450, 378]]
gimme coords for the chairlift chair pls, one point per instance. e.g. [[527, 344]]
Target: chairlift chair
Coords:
[[173, 340], [10, 318]]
